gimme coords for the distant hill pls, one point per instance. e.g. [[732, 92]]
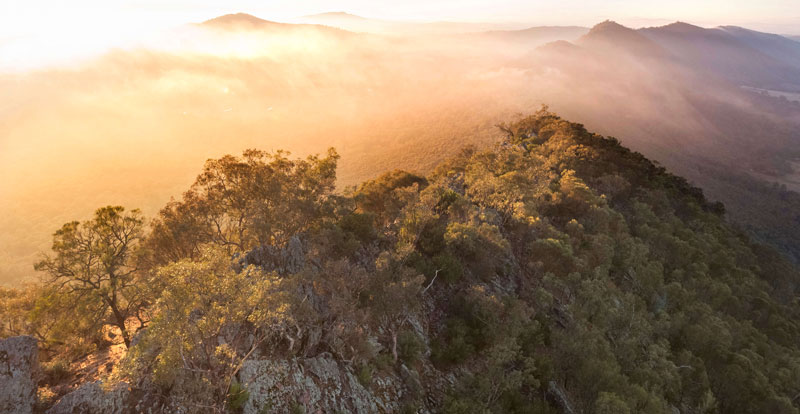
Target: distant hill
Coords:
[[612, 35], [537, 34], [241, 19], [776, 46], [356, 23], [334, 16], [246, 22], [744, 57], [390, 101], [351, 22], [658, 84], [516, 44]]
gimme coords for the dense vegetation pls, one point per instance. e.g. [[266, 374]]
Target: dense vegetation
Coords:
[[558, 268]]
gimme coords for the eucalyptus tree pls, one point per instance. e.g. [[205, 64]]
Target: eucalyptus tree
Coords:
[[95, 261]]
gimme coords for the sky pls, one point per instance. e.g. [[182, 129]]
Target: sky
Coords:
[[57, 29]]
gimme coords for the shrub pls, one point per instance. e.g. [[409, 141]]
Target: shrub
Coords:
[[463, 238], [450, 268], [237, 397], [453, 345], [364, 375], [409, 408], [55, 371], [383, 362], [297, 408], [361, 225], [409, 347], [609, 403]]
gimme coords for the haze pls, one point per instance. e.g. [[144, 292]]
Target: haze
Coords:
[[39, 32], [108, 114]]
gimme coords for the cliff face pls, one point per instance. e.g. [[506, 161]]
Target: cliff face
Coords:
[[316, 385], [19, 358], [321, 384], [93, 398]]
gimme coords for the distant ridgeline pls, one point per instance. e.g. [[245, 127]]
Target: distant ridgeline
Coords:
[[557, 272]]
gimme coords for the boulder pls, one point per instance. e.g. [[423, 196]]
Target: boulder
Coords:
[[318, 385], [19, 360], [287, 260], [559, 397], [91, 398]]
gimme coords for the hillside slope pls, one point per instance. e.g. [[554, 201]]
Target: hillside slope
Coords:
[[778, 47], [130, 127], [745, 58], [556, 272], [699, 122]]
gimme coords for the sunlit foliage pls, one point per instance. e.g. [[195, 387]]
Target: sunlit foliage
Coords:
[[94, 263], [558, 268]]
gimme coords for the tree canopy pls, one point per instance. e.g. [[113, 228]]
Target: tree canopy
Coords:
[[556, 269], [94, 261]]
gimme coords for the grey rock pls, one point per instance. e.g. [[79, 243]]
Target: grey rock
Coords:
[[288, 260], [19, 360], [320, 385], [313, 338], [411, 380], [138, 337], [557, 394], [293, 256], [91, 398]]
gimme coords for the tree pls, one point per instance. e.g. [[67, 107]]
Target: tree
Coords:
[[393, 297], [38, 310], [15, 304], [240, 203], [208, 320], [94, 261], [381, 196]]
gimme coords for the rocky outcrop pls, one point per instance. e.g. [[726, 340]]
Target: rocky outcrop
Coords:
[[19, 359], [91, 398], [318, 385], [559, 397], [287, 260]]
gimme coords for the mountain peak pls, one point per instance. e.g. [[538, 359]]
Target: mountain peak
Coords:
[[608, 26], [237, 19], [609, 30], [558, 46], [610, 34], [681, 27]]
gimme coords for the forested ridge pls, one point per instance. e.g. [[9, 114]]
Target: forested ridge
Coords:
[[556, 272]]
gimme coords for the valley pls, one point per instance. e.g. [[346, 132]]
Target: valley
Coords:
[[492, 207]]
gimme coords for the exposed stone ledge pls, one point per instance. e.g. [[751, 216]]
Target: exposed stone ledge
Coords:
[[316, 384], [91, 398], [19, 361]]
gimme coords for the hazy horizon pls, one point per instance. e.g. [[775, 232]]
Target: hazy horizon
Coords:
[[129, 117], [45, 33], [428, 206]]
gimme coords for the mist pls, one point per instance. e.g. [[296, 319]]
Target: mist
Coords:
[[133, 126]]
